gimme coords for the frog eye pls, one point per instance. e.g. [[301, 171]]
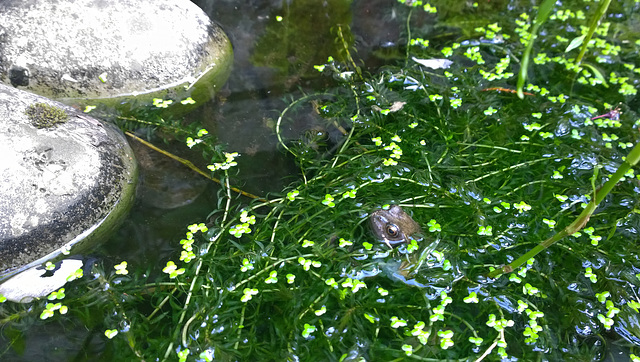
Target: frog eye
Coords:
[[392, 230]]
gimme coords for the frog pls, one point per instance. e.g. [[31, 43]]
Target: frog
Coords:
[[393, 226]]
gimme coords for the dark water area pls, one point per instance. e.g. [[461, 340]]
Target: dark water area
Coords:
[[274, 64]]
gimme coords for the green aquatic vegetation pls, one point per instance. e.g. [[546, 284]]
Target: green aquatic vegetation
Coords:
[[299, 275]]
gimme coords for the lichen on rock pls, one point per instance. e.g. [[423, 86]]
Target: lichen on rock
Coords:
[[43, 115]]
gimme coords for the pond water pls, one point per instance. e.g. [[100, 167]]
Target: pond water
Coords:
[[270, 70], [485, 174], [267, 74]]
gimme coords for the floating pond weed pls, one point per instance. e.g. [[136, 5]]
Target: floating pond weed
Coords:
[[298, 275]]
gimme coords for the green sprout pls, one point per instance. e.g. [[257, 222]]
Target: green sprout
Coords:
[[245, 227], [332, 283], [328, 201], [188, 100], [183, 354], [161, 103], [110, 333], [227, 164], [57, 295], [191, 142], [121, 269], [434, 226], [247, 294], [273, 277], [471, 298], [522, 206], [292, 195], [389, 162], [606, 321], [446, 340], [349, 194], [50, 309], [499, 324], [588, 273], [397, 322], [490, 111], [446, 265], [354, 284], [370, 317], [172, 270], [550, 223], [602, 297], [485, 230], [528, 289], [435, 97], [419, 332], [412, 246], [476, 340], [535, 126], [522, 306], [246, 265], [308, 330], [187, 256], [79, 273]]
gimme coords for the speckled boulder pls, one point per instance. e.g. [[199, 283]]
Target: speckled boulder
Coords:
[[110, 51], [66, 180]]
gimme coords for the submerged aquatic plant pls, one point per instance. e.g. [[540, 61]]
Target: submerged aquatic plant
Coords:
[[489, 177]]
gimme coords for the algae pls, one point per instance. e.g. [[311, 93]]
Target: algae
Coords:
[[43, 115]]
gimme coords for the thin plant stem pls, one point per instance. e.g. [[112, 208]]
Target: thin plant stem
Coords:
[[192, 166], [595, 20], [581, 221]]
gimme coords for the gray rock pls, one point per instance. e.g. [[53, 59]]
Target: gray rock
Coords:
[[64, 186], [112, 50]]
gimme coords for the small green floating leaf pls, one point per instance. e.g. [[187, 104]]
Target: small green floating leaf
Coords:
[[575, 43], [110, 333]]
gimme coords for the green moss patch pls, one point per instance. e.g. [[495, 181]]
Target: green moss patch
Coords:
[[43, 115]]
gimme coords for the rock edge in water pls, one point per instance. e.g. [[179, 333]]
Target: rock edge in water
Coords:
[[63, 187]]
